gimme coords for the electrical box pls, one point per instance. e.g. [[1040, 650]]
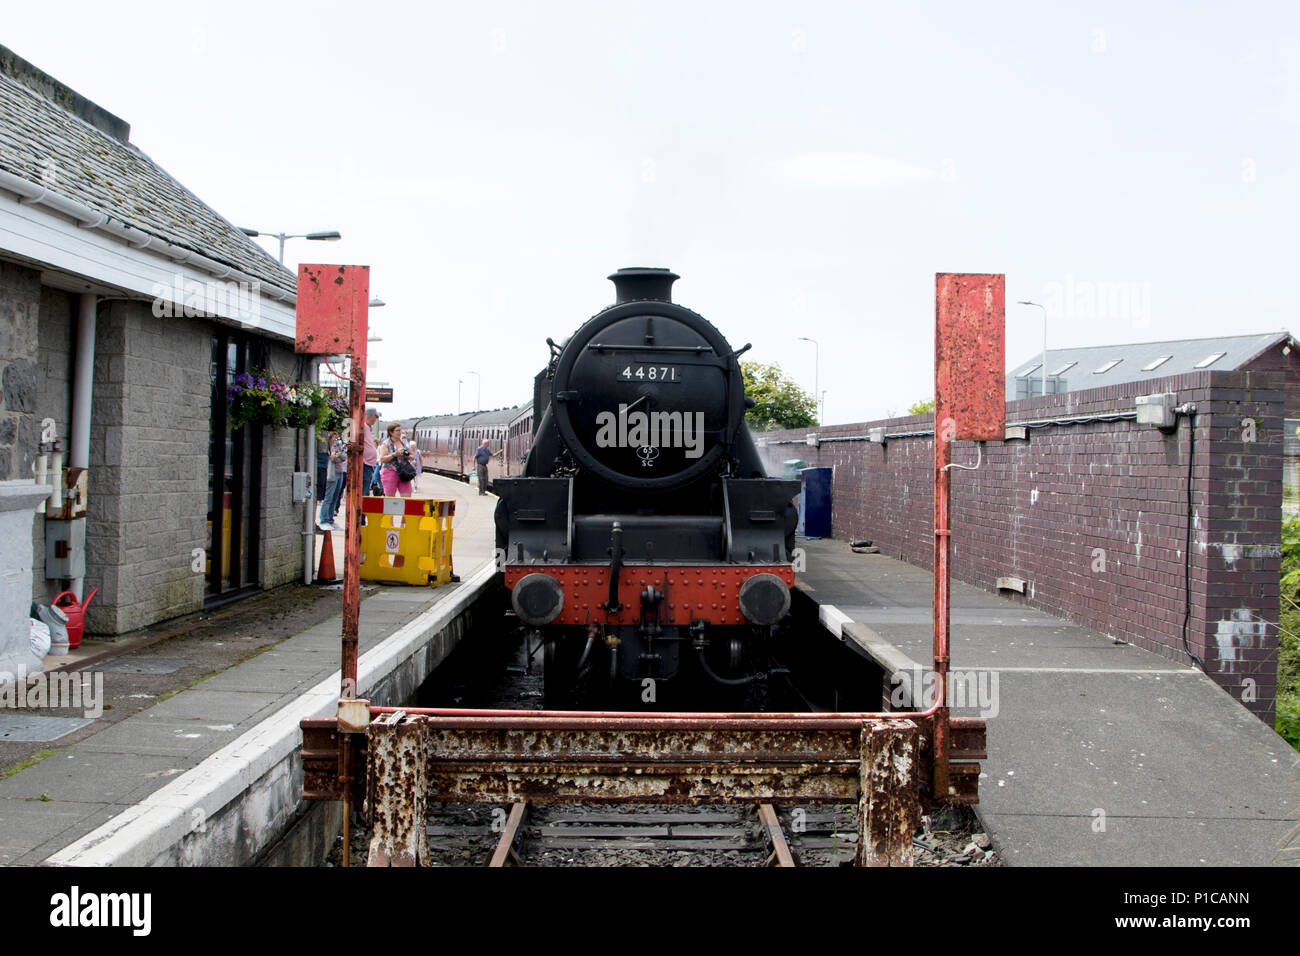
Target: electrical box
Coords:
[[65, 548], [1157, 410], [812, 439], [301, 485], [72, 503], [876, 436]]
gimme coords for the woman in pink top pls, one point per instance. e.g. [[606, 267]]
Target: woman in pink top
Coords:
[[390, 450]]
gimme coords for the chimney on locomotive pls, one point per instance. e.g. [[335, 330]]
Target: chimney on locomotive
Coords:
[[640, 282]]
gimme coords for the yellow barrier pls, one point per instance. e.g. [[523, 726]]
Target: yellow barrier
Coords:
[[407, 540]]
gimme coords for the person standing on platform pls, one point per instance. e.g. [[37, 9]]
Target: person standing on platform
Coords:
[[481, 458], [392, 453], [338, 476], [419, 464], [369, 454]]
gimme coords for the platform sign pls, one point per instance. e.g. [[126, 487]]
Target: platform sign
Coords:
[[970, 357], [378, 395]]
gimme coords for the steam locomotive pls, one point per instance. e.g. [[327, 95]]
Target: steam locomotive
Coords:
[[642, 538]]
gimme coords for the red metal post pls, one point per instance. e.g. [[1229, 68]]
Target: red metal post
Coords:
[[332, 318], [969, 405]]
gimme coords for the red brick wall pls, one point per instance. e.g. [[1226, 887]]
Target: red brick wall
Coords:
[[1075, 499]]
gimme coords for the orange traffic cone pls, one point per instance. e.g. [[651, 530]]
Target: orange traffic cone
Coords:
[[326, 572]]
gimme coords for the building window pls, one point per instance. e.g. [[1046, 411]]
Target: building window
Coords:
[[1210, 359], [1156, 363], [1107, 367]]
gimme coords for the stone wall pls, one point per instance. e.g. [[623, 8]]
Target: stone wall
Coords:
[[20, 302], [282, 518], [149, 466]]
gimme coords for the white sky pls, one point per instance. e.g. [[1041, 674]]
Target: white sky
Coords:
[[805, 167]]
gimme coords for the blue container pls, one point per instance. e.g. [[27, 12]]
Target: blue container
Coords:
[[815, 503]]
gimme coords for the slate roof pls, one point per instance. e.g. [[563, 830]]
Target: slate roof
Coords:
[[44, 143], [1184, 354]]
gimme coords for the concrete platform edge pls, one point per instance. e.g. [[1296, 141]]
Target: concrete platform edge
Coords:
[[185, 811]]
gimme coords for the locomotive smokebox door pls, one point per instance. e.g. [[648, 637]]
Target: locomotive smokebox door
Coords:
[[970, 357]]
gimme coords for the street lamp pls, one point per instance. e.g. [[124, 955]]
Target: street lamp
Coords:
[[479, 400], [1027, 302], [817, 365], [459, 383], [330, 236]]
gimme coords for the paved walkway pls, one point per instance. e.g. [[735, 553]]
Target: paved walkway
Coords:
[[1100, 753], [69, 794]]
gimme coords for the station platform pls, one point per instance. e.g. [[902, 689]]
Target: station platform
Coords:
[[102, 779], [1099, 753]]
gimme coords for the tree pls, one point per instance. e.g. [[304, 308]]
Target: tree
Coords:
[[923, 406], [778, 401]]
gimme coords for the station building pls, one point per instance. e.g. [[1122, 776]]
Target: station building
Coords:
[[126, 306]]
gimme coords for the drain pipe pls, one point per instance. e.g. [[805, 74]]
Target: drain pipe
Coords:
[[309, 527], [82, 382]]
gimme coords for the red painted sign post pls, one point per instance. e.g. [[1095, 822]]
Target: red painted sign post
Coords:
[[333, 319], [969, 405]]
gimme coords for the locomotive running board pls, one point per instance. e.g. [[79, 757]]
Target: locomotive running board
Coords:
[[406, 759]]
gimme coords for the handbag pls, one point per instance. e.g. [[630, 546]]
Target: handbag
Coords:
[[405, 470]]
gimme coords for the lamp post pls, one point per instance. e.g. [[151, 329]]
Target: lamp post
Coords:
[[459, 383], [330, 236], [817, 365], [1035, 304], [478, 402]]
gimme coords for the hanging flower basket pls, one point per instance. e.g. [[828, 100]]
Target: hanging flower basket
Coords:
[[261, 398]]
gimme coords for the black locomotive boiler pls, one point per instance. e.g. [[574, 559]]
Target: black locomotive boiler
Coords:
[[643, 538]]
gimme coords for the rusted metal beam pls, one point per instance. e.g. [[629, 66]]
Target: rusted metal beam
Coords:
[[505, 850], [889, 809], [398, 791], [781, 855]]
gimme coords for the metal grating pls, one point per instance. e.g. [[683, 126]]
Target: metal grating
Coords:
[[36, 728]]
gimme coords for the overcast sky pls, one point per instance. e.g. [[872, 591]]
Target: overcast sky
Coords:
[[805, 167]]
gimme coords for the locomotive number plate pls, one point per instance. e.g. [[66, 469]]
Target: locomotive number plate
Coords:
[[650, 373]]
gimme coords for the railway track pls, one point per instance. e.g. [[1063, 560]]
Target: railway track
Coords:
[[594, 835], [493, 674]]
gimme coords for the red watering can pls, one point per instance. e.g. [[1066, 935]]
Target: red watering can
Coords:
[[76, 611]]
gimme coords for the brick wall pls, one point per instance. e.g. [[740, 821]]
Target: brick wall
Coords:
[[1093, 516], [1288, 363]]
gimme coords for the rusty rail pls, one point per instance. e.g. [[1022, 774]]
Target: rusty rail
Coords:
[[505, 853], [781, 855], [883, 763]]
